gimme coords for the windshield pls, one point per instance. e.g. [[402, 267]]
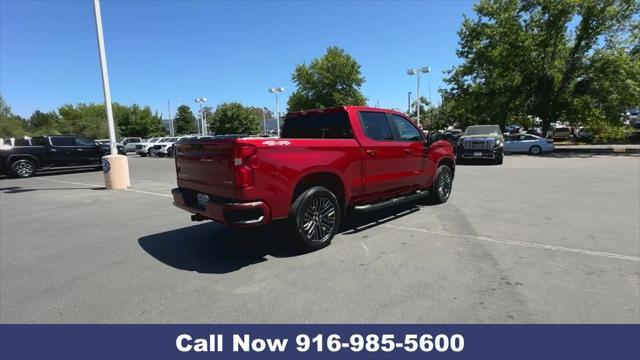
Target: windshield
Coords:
[[482, 130]]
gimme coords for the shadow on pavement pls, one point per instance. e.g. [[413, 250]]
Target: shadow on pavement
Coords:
[[55, 172], [213, 248], [20, 189]]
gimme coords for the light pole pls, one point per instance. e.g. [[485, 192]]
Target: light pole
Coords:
[[416, 72], [203, 124], [105, 78], [277, 90], [172, 131], [409, 102], [115, 166]]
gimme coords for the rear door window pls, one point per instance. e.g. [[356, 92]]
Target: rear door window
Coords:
[[37, 141], [63, 141], [376, 125]]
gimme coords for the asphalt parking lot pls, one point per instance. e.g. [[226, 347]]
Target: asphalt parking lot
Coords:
[[552, 239]]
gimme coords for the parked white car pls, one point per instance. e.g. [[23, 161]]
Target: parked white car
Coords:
[[532, 144], [142, 148], [129, 143], [164, 147]]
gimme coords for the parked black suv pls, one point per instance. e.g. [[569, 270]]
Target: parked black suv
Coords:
[[481, 142], [23, 159]]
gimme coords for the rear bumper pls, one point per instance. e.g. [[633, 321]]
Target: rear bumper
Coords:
[[237, 214], [479, 154]]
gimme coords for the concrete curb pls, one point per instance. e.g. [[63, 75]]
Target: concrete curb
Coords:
[[598, 149]]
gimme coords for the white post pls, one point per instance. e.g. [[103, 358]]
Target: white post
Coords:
[[115, 166], [418, 99], [277, 115], [204, 123], [264, 121], [171, 133], [105, 78]]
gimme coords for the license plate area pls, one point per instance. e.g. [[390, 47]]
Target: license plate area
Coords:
[[477, 154], [203, 199]]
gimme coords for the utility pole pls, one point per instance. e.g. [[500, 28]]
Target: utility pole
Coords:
[[277, 90], [417, 72], [171, 133], [115, 166], [105, 78]]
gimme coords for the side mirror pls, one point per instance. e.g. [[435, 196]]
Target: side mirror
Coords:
[[432, 137]]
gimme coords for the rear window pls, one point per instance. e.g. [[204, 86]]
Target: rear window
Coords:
[[22, 142], [324, 125]]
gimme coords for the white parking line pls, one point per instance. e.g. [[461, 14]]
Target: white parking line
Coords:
[[101, 186], [517, 243]]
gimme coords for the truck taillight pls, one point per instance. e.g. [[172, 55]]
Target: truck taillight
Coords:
[[244, 160]]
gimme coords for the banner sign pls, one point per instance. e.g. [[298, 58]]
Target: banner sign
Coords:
[[319, 341]]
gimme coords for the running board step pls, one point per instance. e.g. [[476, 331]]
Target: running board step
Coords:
[[391, 202]]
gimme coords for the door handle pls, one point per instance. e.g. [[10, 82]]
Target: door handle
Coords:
[[53, 150], [80, 149], [372, 152], [407, 151]]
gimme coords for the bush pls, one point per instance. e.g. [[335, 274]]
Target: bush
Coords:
[[606, 134]]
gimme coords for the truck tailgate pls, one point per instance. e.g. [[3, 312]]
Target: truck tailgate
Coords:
[[206, 166]]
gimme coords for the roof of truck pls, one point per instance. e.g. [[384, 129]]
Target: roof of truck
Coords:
[[343, 108]]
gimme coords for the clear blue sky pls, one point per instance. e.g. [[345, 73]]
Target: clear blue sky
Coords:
[[223, 50]]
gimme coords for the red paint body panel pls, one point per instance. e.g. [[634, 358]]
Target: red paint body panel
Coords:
[[369, 170]]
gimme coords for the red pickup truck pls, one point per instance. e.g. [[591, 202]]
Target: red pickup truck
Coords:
[[325, 163]]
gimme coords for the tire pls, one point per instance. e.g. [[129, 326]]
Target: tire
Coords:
[[142, 154], [315, 218], [442, 185], [535, 150], [23, 168]]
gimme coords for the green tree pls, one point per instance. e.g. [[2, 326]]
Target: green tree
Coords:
[[332, 80], [89, 120], [234, 118], [10, 125], [424, 106], [137, 121], [184, 121], [41, 123], [535, 57]]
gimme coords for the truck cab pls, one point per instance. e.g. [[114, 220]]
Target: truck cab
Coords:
[[326, 162]]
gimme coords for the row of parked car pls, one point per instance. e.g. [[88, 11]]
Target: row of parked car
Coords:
[[158, 146], [490, 143]]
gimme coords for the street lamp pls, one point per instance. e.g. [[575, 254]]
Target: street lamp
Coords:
[[416, 72], [203, 120], [277, 90], [116, 167], [171, 125], [409, 102]]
